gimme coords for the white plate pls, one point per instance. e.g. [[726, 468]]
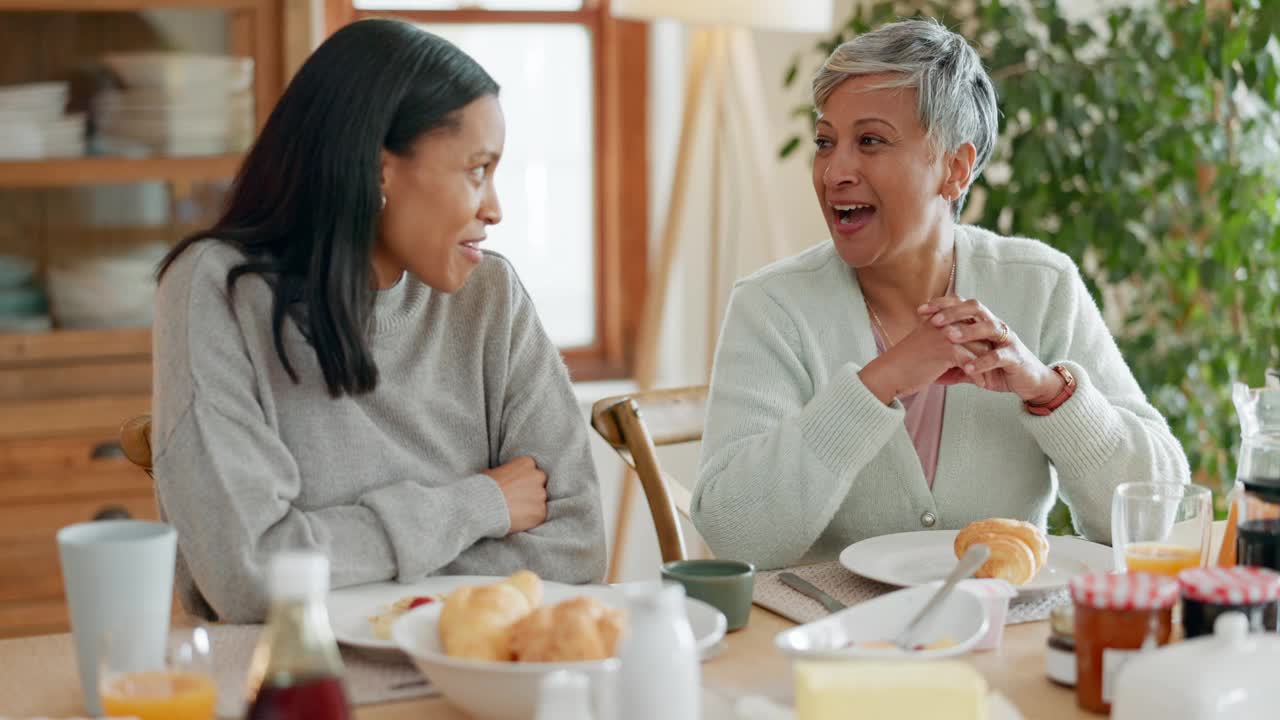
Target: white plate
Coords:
[[350, 609], [915, 558]]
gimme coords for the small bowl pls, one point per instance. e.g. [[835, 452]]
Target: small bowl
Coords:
[[962, 618], [487, 690]]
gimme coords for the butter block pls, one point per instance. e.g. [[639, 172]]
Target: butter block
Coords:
[[867, 690]]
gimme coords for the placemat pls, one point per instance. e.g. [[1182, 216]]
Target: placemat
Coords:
[[367, 681], [851, 589]]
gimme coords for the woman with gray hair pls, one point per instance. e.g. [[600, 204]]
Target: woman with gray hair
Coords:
[[913, 373]]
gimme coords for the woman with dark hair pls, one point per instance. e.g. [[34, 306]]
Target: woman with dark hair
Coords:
[[340, 367]]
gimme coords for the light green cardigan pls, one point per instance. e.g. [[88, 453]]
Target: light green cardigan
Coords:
[[799, 459]]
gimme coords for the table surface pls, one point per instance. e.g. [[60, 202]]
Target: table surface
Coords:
[[38, 675]]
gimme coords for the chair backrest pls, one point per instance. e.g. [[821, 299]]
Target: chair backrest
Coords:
[[135, 440], [635, 425]]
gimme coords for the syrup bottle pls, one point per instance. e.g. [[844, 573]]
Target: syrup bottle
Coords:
[[296, 672]]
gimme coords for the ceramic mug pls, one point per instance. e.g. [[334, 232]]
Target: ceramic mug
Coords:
[[724, 584]]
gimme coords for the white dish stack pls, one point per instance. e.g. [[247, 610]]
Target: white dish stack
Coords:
[[32, 123], [177, 104], [108, 291]]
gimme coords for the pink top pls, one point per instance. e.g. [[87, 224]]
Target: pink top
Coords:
[[924, 419]]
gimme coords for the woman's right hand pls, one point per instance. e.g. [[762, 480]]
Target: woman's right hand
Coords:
[[525, 488], [924, 357]]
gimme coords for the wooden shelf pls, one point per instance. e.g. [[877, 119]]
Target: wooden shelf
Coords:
[[52, 347], [103, 170], [122, 5]]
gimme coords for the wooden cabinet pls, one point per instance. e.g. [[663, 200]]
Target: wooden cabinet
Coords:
[[64, 393], [63, 396]]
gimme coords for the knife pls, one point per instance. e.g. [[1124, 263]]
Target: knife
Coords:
[[795, 582]]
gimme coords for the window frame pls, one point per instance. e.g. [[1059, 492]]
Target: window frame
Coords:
[[619, 50]]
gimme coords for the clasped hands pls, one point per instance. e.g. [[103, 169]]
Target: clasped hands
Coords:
[[961, 341]]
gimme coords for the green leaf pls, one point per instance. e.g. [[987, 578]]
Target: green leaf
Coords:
[[789, 146], [792, 70]]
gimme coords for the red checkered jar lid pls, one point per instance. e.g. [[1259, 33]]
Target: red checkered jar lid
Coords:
[[1124, 591], [1230, 585]]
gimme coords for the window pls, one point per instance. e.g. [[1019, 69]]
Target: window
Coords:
[[572, 180]]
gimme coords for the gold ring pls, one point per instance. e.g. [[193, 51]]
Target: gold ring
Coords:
[[1004, 334]]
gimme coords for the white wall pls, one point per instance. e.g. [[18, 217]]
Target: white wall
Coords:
[[687, 342]]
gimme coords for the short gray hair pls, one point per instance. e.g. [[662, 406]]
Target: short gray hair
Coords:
[[957, 101]]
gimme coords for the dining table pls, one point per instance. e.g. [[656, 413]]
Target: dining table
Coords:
[[38, 675]]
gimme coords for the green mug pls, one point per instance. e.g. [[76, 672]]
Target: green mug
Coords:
[[724, 584]]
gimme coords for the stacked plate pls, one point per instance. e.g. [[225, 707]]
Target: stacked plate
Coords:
[[23, 307], [106, 291], [32, 124], [177, 104]]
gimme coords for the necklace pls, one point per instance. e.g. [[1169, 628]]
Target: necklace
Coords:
[[876, 317]]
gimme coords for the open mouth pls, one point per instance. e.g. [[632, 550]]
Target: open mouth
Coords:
[[471, 250], [853, 215]]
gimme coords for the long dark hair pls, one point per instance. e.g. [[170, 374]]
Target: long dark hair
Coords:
[[304, 205]]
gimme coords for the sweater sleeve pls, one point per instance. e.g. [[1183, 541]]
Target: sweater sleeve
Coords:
[[779, 456], [227, 482], [540, 418], [1106, 433]]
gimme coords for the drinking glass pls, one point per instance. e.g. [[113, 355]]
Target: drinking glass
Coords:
[[182, 687], [1161, 528]]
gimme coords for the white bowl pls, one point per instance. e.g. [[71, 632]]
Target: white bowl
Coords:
[[961, 618], [491, 690]]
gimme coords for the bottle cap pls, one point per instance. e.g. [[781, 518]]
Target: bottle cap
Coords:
[[298, 575]]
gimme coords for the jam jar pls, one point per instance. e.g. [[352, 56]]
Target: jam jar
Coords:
[[1060, 655], [1209, 592], [1118, 615]]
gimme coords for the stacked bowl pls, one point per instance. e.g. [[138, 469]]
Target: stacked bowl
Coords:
[[177, 104], [106, 291]]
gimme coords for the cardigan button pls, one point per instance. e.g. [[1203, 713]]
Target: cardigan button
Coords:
[[928, 519]]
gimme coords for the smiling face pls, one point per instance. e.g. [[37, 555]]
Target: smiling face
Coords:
[[883, 189], [440, 200]]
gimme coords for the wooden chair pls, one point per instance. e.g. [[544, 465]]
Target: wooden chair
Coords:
[[135, 441], [635, 425]]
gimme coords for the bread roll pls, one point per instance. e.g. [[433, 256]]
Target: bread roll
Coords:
[[580, 628], [476, 620]]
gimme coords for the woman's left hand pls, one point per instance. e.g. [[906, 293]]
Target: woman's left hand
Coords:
[[1009, 366]]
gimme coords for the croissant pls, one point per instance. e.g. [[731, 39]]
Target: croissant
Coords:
[[581, 628], [475, 622], [1018, 549]]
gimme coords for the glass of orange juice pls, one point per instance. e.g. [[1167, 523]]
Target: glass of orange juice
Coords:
[[182, 688], [1161, 528]]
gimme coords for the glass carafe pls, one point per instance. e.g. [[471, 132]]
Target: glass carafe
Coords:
[[1257, 493]]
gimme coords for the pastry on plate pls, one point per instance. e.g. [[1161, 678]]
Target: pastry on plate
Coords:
[[1018, 549]]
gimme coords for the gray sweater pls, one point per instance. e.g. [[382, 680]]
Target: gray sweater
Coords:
[[388, 484]]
